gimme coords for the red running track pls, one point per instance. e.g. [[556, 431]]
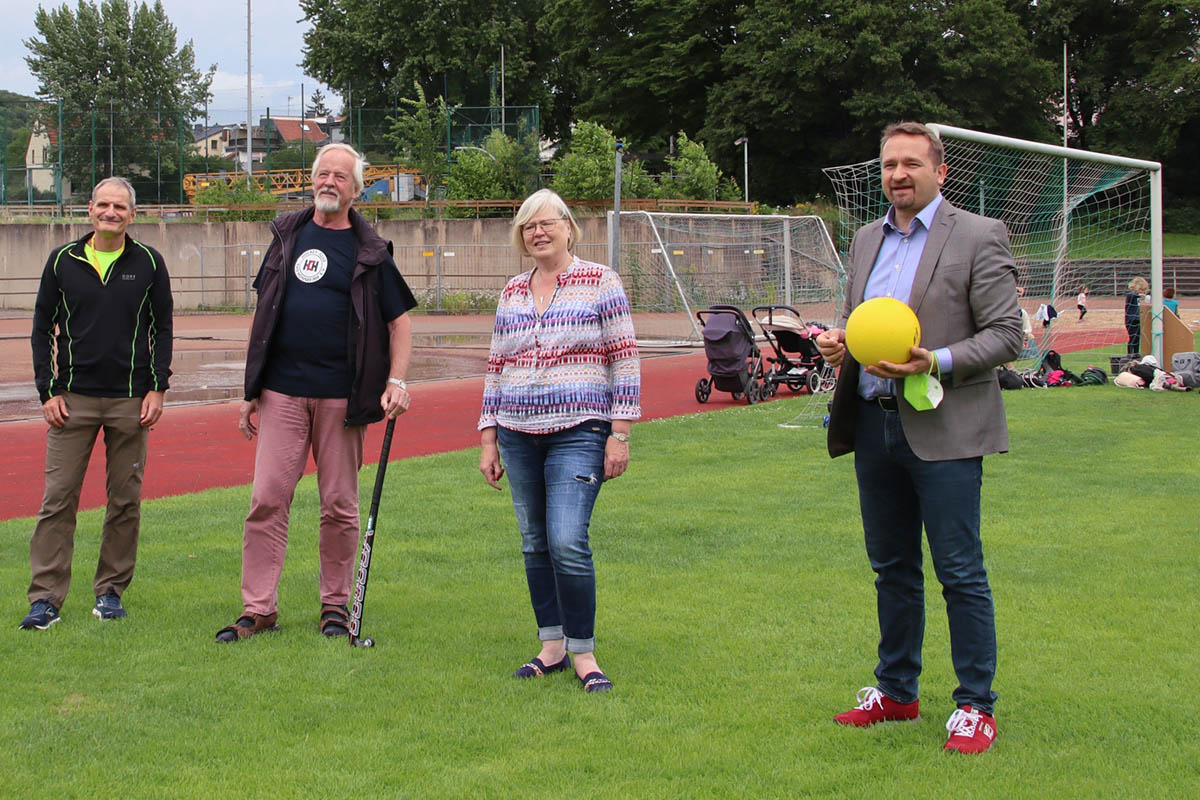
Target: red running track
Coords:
[[194, 448]]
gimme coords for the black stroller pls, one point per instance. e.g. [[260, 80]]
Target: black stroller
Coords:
[[734, 361], [797, 361]]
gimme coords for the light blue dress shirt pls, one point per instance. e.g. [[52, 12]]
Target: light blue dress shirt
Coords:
[[892, 276]]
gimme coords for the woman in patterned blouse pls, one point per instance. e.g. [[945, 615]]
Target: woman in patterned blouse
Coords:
[[563, 389]]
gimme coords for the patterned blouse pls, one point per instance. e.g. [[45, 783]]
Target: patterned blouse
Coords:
[[577, 361]]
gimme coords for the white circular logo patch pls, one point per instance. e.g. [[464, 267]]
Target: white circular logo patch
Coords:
[[311, 265]]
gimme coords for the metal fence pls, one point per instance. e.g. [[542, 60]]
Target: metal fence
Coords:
[[51, 153]]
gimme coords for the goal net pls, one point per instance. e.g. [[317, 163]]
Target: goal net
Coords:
[[674, 265], [1077, 221]]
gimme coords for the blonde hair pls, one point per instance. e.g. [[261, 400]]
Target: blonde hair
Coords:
[[359, 182], [1139, 284], [533, 204]]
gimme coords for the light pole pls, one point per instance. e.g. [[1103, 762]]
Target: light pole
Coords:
[[745, 143]]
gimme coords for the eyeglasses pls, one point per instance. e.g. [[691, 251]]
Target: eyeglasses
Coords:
[[545, 224]]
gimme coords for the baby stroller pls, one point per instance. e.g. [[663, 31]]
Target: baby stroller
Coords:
[[734, 361], [797, 361]]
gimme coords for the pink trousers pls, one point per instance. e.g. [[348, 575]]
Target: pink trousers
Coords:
[[287, 427]]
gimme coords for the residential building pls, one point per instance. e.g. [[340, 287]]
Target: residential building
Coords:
[[41, 161]]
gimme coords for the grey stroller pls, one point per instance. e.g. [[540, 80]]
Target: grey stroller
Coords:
[[735, 364]]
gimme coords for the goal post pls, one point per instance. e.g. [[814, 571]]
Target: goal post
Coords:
[[1075, 219], [673, 265]]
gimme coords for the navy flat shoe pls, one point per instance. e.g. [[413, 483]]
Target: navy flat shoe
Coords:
[[596, 682], [536, 669]]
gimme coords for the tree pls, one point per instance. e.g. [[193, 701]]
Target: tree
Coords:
[[316, 104], [116, 66], [14, 158], [1133, 78], [292, 156], [1133, 72], [450, 47], [814, 82], [692, 174], [419, 137], [642, 67], [587, 171], [503, 168]]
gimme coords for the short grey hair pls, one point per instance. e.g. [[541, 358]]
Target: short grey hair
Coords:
[[537, 201], [359, 162], [119, 181]]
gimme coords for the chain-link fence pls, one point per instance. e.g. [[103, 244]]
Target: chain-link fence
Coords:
[[51, 153]]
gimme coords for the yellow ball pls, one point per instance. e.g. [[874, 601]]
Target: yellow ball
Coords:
[[882, 329]]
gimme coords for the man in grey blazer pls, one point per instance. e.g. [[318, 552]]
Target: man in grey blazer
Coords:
[[923, 469]]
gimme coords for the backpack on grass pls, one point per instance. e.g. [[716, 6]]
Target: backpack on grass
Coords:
[[1009, 379], [1092, 376], [1187, 367]]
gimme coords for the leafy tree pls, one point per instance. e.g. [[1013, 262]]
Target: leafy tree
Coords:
[[419, 137], [474, 175], [19, 110], [316, 104], [119, 57], [292, 156], [14, 161], [642, 67], [503, 168], [692, 175], [813, 82], [587, 171], [1133, 78], [518, 162], [449, 47]]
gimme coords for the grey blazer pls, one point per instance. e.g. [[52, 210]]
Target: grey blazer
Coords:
[[965, 296]]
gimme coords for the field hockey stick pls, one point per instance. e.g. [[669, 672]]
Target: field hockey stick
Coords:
[[368, 542]]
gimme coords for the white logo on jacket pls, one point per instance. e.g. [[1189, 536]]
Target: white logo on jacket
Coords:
[[311, 265]]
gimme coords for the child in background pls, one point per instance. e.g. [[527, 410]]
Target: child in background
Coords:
[[1081, 302], [1169, 300]]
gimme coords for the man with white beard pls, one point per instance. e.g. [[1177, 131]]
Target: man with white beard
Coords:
[[328, 352]]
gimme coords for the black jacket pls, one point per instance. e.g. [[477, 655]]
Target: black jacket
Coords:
[[113, 336], [367, 338]]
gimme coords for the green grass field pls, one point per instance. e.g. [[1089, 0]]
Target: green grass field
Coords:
[[1181, 244], [736, 616]]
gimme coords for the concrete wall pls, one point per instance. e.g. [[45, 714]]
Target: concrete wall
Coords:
[[211, 263]]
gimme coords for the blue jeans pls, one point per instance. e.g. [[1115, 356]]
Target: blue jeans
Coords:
[[898, 493], [554, 479]]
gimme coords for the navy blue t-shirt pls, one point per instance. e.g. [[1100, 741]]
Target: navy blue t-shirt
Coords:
[[310, 354]]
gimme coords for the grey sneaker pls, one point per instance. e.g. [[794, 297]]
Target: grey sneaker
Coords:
[[108, 606], [42, 614]]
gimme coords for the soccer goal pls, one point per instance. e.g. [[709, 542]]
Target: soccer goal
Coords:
[[673, 265], [1076, 220]]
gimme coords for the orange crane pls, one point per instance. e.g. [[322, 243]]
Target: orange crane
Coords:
[[292, 182]]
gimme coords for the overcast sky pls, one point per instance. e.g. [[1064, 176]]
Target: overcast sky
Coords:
[[217, 29]]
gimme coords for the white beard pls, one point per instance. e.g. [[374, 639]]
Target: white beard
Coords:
[[327, 205]]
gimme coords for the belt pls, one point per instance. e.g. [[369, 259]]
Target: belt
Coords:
[[885, 401]]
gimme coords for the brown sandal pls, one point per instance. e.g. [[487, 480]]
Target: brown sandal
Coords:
[[248, 625], [335, 621]]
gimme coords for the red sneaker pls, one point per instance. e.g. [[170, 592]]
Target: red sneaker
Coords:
[[875, 706], [971, 731]]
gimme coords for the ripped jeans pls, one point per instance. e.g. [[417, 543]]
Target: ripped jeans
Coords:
[[555, 479]]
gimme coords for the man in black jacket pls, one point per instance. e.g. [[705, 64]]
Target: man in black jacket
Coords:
[[104, 304], [328, 353]]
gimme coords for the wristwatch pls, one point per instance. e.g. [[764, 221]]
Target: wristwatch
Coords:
[[623, 438], [398, 382]]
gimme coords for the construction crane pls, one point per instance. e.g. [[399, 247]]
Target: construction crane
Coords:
[[296, 182]]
